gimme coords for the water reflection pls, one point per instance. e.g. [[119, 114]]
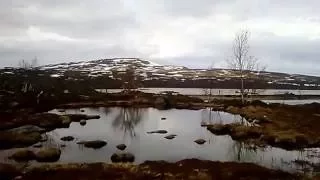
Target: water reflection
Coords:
[[127, 119], [129, 126], [217, 117], [242, 152], [210, 117]]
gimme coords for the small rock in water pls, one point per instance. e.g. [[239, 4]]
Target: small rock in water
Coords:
[[122, 147], [170, 136], [200, 141], [163, 118], [82, 110], [83, 122], [158, 131], [93, 144], [122, 157], [67, 138]]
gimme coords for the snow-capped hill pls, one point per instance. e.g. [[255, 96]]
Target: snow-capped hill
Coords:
[[177, 75], [107, 66]]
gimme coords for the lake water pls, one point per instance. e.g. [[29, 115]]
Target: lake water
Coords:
[[130, 126], [199, 91], [293, 102]]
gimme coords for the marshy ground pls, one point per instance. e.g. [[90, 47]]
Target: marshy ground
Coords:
[[258, 124]]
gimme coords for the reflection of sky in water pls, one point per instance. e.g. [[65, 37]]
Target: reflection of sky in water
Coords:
[[293, 102], [200, 91], [129, 126]]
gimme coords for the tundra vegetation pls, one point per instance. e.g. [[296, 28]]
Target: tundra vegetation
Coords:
[[26, 97]]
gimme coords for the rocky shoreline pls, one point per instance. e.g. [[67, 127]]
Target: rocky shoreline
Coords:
[[184, 169], [280, 125], [286, 126]]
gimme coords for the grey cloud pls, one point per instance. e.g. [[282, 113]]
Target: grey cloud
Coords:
[[124, 28]]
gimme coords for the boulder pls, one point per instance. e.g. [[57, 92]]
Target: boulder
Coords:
[[83, 122], [67, 138], [122, 147], [11, 139], [171, 136], [158, 131], [46, 120], [82, 110], [26, 129], [48, 155], [163, 118], [23, 155], [93, 144], [122, 157], [200, 141]]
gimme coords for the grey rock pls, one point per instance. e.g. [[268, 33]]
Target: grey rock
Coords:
[[93, 144], [26, 129], [122, 157], [67, 138], [83, 122], [158, 131], [171, 136], [122, 147], [200, 141]]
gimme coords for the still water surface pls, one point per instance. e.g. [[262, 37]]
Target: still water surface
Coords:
[[130, 126], [200, 91]]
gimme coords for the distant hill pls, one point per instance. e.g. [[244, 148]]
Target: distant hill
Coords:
[[103, 74]]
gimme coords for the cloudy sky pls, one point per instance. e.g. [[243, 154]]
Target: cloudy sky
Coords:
[[285, 35]]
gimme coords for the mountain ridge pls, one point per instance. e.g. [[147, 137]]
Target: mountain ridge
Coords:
[[177, 75]]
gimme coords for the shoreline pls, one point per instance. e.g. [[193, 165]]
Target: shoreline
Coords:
[[184, 169]]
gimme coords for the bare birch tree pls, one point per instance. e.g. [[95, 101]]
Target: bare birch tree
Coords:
[[241, 61], [129, 79], [208, 92]]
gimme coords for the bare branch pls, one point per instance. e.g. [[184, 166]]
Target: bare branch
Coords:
[[241, 61]]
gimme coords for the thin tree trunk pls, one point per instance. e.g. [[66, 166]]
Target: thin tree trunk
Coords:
[[242, 90]]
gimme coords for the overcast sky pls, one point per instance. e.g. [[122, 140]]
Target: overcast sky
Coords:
[[285, 34]]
